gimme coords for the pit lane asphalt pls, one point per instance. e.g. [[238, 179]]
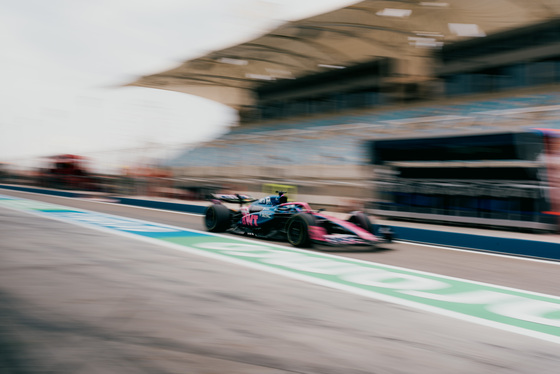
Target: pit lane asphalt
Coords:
[[508, 271], [76, 300]]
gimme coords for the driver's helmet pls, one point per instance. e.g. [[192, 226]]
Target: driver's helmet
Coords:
[[283, 199]]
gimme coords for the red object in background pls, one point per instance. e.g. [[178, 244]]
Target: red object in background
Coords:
[[68, 171]]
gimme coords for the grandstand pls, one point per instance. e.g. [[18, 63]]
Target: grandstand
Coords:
[[313, 94]]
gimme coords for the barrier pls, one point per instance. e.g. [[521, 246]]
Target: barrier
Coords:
[[164, 205], [510, 246], [45, 191]]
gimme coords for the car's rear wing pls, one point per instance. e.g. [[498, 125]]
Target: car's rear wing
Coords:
[[233, 198]]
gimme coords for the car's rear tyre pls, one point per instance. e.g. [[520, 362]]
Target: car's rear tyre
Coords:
[[217, 218], [361, 220], [297, 230]]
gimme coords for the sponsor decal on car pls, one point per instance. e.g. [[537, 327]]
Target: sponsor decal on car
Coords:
[[250, 220], [266, 214]]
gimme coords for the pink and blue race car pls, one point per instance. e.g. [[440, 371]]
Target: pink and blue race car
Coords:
[[274, 218]]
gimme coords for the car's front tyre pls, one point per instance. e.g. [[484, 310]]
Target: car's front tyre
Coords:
[[361, 220]]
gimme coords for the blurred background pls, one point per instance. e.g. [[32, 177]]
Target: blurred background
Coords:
[[440, 111], [64, 65]]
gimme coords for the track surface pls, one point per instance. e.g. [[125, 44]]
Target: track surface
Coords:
[[75, 300]]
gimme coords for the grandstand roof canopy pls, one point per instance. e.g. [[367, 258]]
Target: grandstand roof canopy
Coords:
[[358, 33]]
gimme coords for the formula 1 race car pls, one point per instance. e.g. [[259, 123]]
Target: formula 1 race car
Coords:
[[273, 217]]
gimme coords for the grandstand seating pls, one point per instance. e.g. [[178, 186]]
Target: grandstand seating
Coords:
[[338, 140]]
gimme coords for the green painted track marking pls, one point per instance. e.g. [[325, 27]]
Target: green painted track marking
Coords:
[[514, 310]]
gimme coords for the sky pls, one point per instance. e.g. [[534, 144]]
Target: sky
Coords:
[[63, 64]]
